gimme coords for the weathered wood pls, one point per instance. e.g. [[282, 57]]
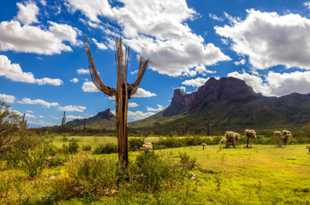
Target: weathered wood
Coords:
[[123, 92], [95, 76]]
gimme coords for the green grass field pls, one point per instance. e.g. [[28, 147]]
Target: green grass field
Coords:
[[264, 174]]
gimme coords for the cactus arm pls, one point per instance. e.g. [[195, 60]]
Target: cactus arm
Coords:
[[142, 68], [95, 76]]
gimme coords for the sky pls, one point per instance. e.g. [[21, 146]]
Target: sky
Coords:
[[43, 65]]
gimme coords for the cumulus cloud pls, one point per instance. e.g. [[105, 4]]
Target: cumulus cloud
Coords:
[[89, 87], [74, 80], [158, 31], [27, 12], [133, 104], [82, 71], [14, 72], [277, 84], [307, 4], [156, 109], [100, 45], [196, 82], [270, 39], [20, 35], [46, 104], [64, 32], [74, 117], [7, 98], [138, 115], [73, 108], [142, 93], [32, 39], [43, 103]]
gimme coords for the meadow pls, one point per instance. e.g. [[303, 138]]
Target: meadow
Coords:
[[264, 174]]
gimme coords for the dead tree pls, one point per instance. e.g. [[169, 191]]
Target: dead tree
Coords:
[[122, 93], [63, 120]]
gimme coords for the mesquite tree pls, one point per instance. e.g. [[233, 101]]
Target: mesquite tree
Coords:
[[122, 93]]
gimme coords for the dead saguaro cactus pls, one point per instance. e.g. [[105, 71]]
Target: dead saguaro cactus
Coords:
[[63, 120], [122, 93]]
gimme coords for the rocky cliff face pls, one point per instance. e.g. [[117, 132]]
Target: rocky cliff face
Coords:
[[229, 103], [213, 91], [102, 120]]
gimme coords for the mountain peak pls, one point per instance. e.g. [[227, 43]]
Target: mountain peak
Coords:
[[213, 91], [106, 114]]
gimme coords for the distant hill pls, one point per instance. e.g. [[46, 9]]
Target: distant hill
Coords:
[[228, 103], [219, 105], [102, 120]]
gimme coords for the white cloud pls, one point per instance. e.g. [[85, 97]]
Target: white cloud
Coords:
[[31, 39], [64, 32], [216, 18], [142, 93], [91, 9], [46, 104], [28, 101], [156, 109], [196, 82], [27, 12], [74, 80], [15, 73], [28, 38], [240, 62], [89, 87], [73, 108], [158, 31], [277, 84], [133, 104], [100, 45], [307, 4], [270, 39], [82, 71], [43, 2], [138, 115], [7, 98], [74, 117]]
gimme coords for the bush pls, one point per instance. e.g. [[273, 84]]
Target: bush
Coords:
[[87, 179], [55, 161], [33, 161], [105, 149], [135, 144], [86, 148], [30, 154], [73, 147], [186, 162], [150, 172]]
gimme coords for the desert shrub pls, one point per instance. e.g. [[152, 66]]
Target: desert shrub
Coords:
[[150, 172], [86, 147], [105, 149], [87, 179], [135, 144], [33, 161], [169, 142], [11, 126], [64, 149], [55, 161], [73, 146], [186, 162], [29, 153]]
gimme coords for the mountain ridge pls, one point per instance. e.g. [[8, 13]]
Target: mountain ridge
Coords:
[[220, 104]]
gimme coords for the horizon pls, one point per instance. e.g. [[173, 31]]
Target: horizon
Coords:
[[43, 65]]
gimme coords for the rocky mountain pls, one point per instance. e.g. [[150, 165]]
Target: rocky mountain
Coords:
[[219, 105], [102, 120], [228, 103]]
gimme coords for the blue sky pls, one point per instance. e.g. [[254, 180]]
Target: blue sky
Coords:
[[42, 60]]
